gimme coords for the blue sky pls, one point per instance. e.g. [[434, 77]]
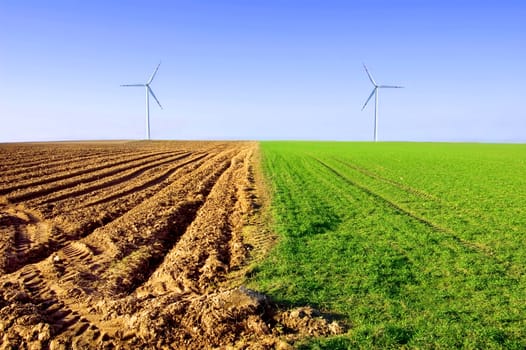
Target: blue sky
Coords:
[[263, 69]]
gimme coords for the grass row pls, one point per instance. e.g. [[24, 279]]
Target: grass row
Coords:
[[416, 245]]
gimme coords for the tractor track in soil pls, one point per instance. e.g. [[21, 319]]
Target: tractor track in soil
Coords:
[[137, 248]]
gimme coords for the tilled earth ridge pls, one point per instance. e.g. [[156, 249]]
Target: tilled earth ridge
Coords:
[[129, 245]]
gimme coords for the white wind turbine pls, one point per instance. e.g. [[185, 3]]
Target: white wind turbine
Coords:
[[148, 92], [375, 93]]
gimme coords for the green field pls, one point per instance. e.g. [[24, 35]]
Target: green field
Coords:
[[419, 245]]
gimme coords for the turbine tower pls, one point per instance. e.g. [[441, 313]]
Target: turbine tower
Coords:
[[375, 93], [148, 92]]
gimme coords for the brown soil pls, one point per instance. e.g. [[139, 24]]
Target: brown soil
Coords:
[[136, 245]]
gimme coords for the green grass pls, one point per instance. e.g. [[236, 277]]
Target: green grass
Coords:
[[416, 245]]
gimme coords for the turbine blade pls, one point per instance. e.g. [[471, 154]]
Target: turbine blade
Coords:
[[369, 75], [369, 98], [156, 100], [134, 85], [153, 74], [391, 86]]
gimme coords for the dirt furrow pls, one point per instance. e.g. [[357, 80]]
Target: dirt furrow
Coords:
[[82, 222], [78, 221], [98, 170], [20, 253], [121, 195], [155, 227], [15, 158], [43, 164], [202, 255], [94, 184], [47, 186], [76, 268], [67, 166], [156, 180], [18, 168]]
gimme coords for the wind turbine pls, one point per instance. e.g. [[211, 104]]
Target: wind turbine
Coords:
[[148, 92], [375, 93]]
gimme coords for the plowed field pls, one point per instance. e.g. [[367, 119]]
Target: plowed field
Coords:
[[132, 244]]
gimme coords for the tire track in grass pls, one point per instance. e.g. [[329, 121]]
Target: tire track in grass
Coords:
[[401, 186], [459, 220], [419, 195], [467, 244]]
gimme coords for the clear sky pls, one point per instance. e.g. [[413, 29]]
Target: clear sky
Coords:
[[263, 69]]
